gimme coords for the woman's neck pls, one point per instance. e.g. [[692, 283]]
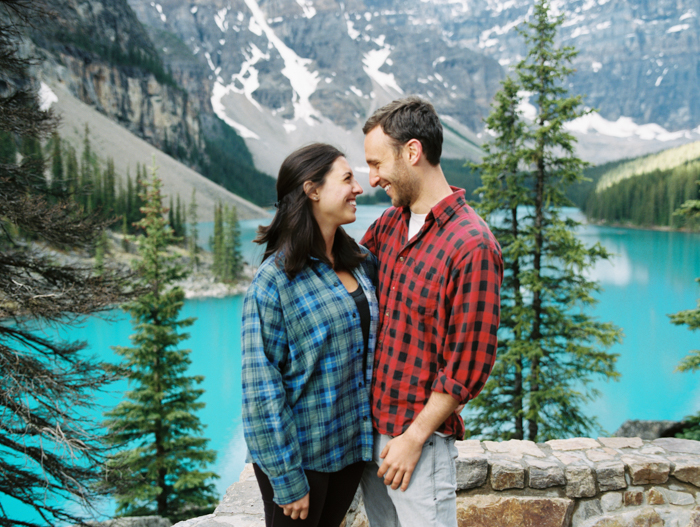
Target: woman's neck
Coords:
[[328, 234]]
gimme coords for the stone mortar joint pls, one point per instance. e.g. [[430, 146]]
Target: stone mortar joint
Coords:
[[579, 482]]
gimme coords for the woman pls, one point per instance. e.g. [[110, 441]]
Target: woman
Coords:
[[309, 320]]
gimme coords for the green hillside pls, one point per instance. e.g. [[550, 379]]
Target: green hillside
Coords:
[[662, 161], [643, 191]]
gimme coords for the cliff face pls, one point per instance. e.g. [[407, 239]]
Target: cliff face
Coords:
[[100, 51], [328, 58]]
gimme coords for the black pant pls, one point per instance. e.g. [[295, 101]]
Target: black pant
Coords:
[[329, 498]]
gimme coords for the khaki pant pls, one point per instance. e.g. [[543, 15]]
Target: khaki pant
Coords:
[[429, 500]]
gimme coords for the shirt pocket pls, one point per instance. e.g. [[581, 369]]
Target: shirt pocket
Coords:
[[422, 297]]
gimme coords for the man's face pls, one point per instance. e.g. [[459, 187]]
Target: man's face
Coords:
[[389, 171]]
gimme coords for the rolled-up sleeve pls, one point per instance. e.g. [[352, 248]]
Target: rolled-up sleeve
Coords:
[[268, 423], [470, 347]]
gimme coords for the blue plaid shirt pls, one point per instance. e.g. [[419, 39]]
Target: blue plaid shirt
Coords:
[[305, 392]]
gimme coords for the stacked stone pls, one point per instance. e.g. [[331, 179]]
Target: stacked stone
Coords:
[[582, 482]]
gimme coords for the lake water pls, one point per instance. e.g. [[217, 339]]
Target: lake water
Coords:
[[652, 274]]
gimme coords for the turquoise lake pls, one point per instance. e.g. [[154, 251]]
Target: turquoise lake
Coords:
[[651, 275]]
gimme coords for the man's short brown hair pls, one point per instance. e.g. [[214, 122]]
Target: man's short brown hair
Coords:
[[410, 118]]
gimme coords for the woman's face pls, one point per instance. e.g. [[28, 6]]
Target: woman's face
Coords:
[[334, 203]]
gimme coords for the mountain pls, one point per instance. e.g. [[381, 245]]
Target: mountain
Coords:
[[98, 52], [286, 72]]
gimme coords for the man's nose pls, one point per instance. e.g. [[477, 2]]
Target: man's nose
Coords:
[[373, 178]]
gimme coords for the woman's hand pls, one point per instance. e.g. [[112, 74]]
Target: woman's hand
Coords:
[[297, 509]]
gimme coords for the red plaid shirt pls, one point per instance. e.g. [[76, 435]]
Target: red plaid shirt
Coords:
[[439, 311]]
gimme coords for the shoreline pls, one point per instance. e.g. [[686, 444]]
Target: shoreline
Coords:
[[634, 227]]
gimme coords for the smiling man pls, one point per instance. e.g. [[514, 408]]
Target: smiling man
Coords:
[[440, 272]]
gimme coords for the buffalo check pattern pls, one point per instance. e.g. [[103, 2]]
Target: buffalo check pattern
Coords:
[[439, 311], [305, 387]]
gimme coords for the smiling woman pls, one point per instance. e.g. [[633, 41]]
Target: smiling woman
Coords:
[[309, 321]]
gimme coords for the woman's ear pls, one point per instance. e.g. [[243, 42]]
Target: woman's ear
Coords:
[[310, 190]]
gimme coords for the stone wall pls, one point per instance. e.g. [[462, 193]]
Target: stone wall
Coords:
[[582, 482]]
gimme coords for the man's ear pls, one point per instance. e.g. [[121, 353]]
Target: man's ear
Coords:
[[414, 150]]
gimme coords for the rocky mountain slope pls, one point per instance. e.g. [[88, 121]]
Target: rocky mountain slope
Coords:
[[100, 53], [284, 72]]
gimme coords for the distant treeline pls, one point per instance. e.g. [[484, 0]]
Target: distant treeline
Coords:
[[646, 200]]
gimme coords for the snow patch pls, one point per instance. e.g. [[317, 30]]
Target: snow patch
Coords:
[[46, 97], [303, 81], [220, 19], [375, 59], [678, 28], [218, 93], [356, 91], [352, 32], [580, 31], [194, 10], [623, 127], [307, 7], [689, 14]]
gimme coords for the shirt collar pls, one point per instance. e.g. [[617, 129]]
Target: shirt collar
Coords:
[[444, 210]]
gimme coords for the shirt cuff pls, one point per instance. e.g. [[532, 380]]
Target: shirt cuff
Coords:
[[290, 487], [443, 384]]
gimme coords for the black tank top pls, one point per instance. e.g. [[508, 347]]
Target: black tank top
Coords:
[[358, 295]]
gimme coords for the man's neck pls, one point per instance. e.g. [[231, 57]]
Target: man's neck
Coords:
[[434, 189]]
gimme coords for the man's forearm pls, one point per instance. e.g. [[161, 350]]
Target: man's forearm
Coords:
[[438, 408]]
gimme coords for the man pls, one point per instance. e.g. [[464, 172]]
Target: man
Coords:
[[440, 271]]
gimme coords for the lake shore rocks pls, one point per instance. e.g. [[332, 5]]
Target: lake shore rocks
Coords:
[[580, 482]]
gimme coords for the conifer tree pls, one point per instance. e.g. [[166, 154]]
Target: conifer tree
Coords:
[[179, 219], [193, 239], [233, 259], [57, 173], [691, 318], [217, 241], [51, 453], [166, 453], [550, 346]]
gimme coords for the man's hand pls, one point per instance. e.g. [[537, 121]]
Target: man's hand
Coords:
[[400, 456], [297, 509]]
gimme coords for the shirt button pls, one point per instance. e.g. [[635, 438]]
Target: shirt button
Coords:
[[400, 258], [387, 313], [361, 385], [359, 351], [393, 288], [354, 315], [335, 284], [364, 418]]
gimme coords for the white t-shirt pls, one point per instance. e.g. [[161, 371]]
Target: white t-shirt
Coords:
[[415, 223]]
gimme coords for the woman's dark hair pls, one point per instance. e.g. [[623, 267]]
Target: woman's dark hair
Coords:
[[294, 232]]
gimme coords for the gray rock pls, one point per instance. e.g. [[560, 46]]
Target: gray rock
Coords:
[[544, 474], [610, 475], [672, 444], [585, 510], [580, 482], [611, 501], [507, 475], [647, 469], [134, 521], [471, 471], [645, 429]]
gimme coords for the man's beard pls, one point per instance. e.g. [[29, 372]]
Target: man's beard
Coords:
[[404, 186]]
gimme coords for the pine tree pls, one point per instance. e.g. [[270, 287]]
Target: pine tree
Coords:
[[233, 259], [165, 454], [57, 173], [51, 453], [217, 241], [551, 348], [691, 318], [193, 240]]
